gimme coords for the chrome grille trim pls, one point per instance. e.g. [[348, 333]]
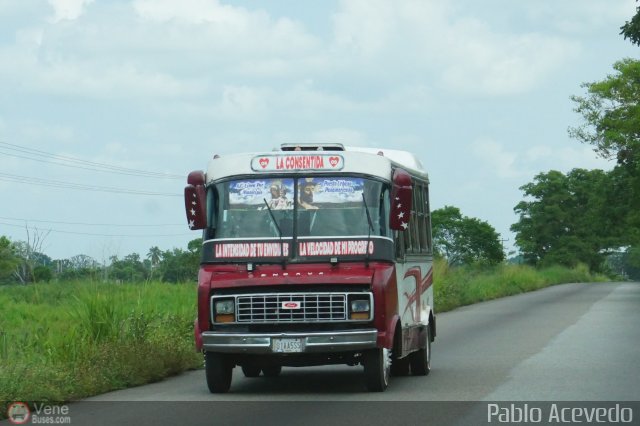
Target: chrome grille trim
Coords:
[[266, 308]]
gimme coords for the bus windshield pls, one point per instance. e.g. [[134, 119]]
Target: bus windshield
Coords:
[[301, 206]]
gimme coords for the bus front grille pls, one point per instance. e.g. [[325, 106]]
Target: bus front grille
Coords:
[[291, 307]]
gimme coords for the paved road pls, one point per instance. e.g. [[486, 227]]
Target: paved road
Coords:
[[573, 342]]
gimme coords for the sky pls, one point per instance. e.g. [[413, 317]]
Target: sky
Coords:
[[106, 106]]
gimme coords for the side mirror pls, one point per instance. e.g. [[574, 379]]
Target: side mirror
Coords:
[[401, 198], [194, 200]]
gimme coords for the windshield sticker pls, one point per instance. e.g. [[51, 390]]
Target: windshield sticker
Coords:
[[335, 248], [230, 250], [331, 191], [297, 162], [252, 193]]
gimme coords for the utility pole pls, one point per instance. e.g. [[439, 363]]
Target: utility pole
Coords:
[[502, 241]]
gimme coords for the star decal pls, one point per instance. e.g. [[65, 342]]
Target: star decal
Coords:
[[404, 225], [191, 224], [399, 205], [400, 215], [193, 212]]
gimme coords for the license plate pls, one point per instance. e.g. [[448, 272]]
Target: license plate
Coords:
[[287, 345]]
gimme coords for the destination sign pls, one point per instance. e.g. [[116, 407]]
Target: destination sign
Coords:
[[297, 162]]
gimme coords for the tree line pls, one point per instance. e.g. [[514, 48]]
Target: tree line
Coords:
[[21, 262]]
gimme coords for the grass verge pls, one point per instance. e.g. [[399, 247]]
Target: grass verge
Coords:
[[459, 286], [66, 341]]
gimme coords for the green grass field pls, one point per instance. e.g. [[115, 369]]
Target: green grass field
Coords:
[[65, 341]]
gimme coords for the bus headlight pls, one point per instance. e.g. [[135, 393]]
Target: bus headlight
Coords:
[[224, 310], [360, 305], [360, 309]]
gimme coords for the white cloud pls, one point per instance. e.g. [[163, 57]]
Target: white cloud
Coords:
[[243, 102], [154, 49], [581, 16], [495, 158], [505, 164], [465, 53], [486, 63], [191, 11], [214, 26], [67, 9], [31, 72], [29, 37], [365, 26], [566, 158]]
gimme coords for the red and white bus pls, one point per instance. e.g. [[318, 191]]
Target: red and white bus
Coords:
[[313, 255]]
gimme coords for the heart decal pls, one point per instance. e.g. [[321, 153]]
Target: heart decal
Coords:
[[264, 162], [334, 161]]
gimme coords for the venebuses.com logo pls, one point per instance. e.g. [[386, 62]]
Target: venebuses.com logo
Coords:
[[18, 413]]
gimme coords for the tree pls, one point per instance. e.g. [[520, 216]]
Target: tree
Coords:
[[24, 267], [626, 263], [8, 260], [128, 269], [82, 261], [78, 267], [153, 256], [612, 125], [178, 265], [29, 254], [42, 273], [612, 114], [631, 262], [631, 29], [464, 240], [568, 219]]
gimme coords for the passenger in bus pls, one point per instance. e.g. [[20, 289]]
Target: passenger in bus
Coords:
[[305, 199]]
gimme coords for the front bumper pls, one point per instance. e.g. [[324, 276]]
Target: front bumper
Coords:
[[261, 343]]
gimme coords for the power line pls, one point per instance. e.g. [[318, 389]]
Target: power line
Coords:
[[88, 168], [92, 224], [62, 160], [70, 185], [101, 235]]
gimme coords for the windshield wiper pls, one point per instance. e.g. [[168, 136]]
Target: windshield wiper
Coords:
[[366, 209], [275, 223]]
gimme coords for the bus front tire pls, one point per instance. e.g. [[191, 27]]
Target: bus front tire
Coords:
[[377, 369], [218, 370]]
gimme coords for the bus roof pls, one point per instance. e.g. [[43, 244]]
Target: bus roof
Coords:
[[403, 159], [316, 158]]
